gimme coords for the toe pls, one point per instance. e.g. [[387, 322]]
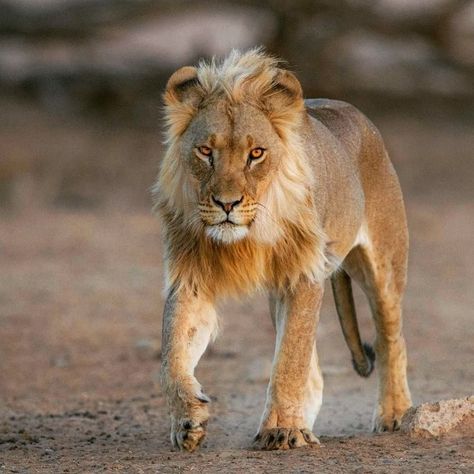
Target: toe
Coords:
[[269, 440], [296, 439], [281, 441], [386, 424], [309, 437], [284, 438], [383, 426]]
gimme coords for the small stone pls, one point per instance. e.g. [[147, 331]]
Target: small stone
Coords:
[[446, 417]]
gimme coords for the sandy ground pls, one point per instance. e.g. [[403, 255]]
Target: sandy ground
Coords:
[[80, 321]]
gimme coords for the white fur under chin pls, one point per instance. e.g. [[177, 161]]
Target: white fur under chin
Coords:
[[226, 233]]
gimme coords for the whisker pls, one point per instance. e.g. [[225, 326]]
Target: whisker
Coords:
[[268, 212]]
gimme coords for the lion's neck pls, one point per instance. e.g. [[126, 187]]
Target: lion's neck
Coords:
[[196, 263]]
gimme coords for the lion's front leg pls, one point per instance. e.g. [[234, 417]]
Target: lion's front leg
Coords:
[[295, 382], [188, 324]]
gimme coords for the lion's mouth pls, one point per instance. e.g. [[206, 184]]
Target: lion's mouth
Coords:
[[227, 222], [227, 231]]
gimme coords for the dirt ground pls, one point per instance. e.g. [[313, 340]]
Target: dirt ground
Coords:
[[80, 320]]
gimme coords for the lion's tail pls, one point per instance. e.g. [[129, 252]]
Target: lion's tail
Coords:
[[363, 355]]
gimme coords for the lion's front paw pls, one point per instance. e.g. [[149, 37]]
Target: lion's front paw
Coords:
[[284, 438], [187, 434], [189, 410], [189, 422]]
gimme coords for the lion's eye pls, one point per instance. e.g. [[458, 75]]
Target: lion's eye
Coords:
[[256, 153], [205, 150]]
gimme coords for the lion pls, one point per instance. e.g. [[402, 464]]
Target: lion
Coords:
[[260, 189]]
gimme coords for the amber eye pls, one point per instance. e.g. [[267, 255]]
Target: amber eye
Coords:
[[205, 150], [256, 153]]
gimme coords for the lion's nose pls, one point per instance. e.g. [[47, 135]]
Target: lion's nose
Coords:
[[227, 206]]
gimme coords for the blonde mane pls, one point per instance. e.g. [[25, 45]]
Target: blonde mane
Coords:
[[285, 241]]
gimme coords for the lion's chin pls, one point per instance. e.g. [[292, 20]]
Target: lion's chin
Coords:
[[226, 232]]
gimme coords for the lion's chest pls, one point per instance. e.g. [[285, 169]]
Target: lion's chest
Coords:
[[250, 266]]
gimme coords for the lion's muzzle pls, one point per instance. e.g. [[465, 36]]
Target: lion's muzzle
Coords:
[[227, 220]]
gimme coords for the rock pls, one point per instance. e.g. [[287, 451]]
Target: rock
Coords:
[[446, 417]]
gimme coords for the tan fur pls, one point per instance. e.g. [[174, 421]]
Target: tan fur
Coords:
[[324, 194]]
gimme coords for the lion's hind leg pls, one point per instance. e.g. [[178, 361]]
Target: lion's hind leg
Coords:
[[379, 266]]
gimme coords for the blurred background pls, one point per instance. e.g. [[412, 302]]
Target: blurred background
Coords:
[[80, 253]]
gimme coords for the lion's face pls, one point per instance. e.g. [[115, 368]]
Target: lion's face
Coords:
[[232, 168], [231, 153]]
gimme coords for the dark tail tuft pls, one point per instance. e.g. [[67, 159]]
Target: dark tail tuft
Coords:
[[365, 369]]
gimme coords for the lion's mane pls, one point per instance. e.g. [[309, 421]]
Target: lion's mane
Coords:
[[285, 241]]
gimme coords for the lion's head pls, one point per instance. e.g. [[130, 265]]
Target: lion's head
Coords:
[[234, 167]]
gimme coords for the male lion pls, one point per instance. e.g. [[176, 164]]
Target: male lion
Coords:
[[260, 189]]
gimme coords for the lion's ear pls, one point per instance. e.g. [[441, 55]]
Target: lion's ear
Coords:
[[284, 102], [182, 97], [288, 86], [182, 87]]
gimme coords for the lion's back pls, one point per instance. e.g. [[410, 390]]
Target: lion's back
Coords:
[[365, 148]]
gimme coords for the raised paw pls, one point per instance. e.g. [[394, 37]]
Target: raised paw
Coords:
[[284, 438], [187, 435]]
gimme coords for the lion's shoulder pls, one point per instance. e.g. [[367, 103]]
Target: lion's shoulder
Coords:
[[331, 111], [344, 120]]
